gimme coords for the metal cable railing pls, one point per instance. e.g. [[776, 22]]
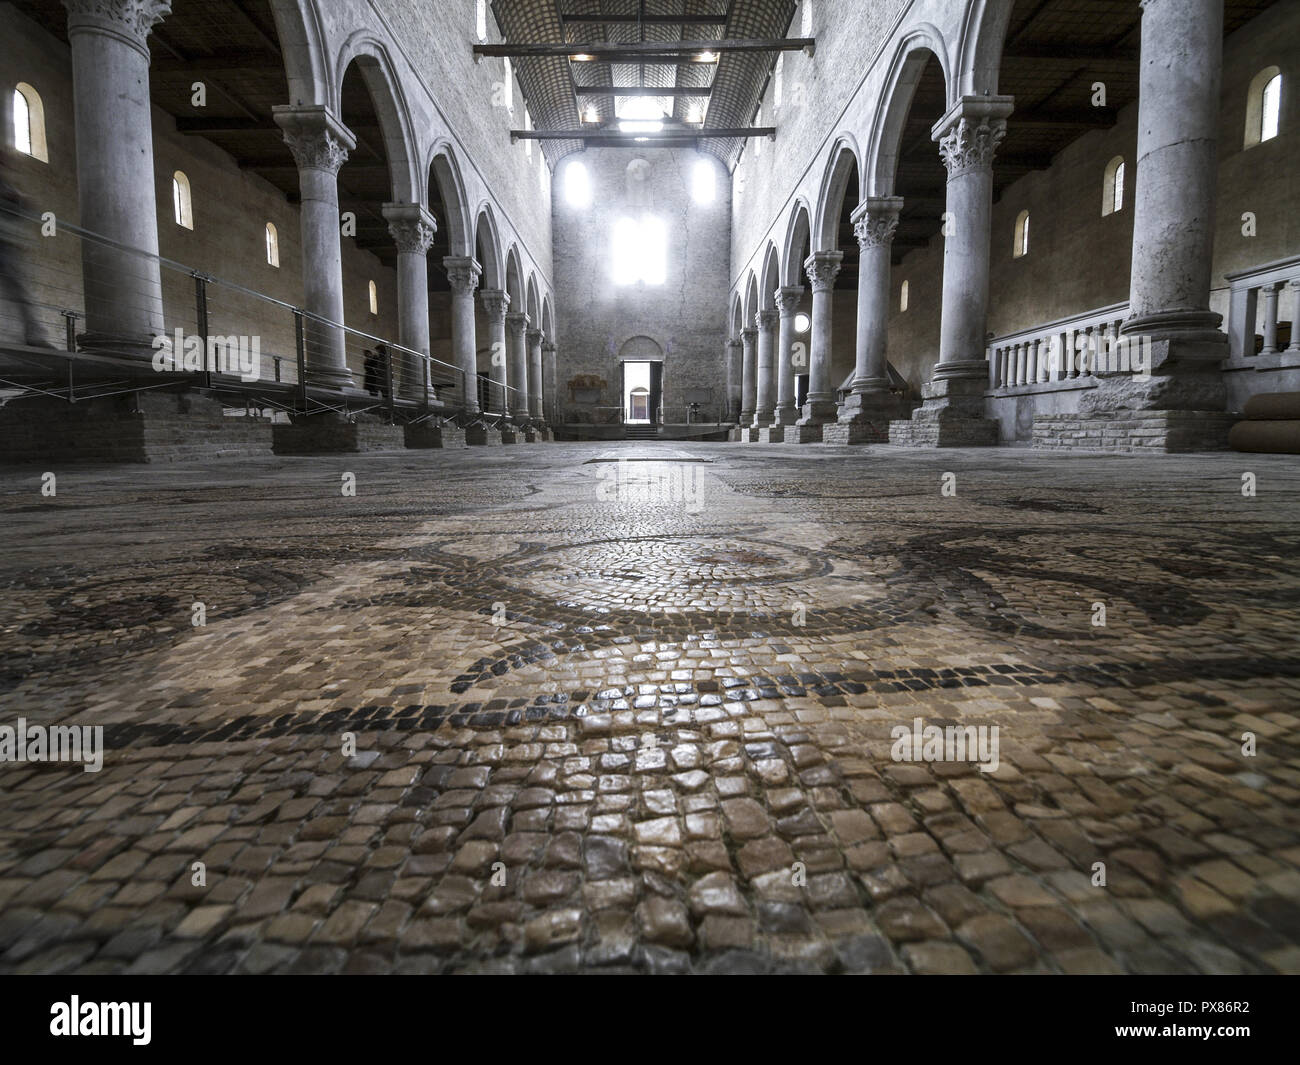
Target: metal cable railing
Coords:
[[205, 330]]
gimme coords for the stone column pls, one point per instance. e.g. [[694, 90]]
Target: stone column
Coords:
[[748, 376], [495, 302], [787, 305], [535, 376], [764, 410], [734, 362], [550, 399], [1170, 326], [517, 345], [953, 412], [320, 145], [463, 274], [115, 173], [874, 223], [413, 229], [822, 268]]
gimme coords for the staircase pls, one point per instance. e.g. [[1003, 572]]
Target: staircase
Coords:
[[641, 432]]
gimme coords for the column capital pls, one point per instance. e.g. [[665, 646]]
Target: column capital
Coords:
[[735, 342], [130, 21], [412, 227], [535, 336], [549, 348], [463, 274], [822, 267], [875, 219], [748, 335], [767, 319], [495, 301], [317, 139], [517, 322], [971, 131], [787, 299]]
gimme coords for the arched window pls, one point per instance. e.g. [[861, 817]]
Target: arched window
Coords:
[[480, 20], [508, 81], [29, 122], [182, 206], [1263, 106], [778, 80], [704, 186], [1021, 245], [374, 298], [902, 298], [640, 251], [805, 21], [1112, 186], [272, 245], [577, 184]]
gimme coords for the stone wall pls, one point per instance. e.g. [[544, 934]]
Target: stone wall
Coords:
[[685, 317]]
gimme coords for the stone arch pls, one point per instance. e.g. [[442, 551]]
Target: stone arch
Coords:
[[515, 279], [306, 62], [771, 278], [444, 170], [751, 300], [548, 321], [385, 88], [910, 58], [798, 234], [737, 317], [979, 54], [844, 157], [640, 348], [534, 305], [487, 246]]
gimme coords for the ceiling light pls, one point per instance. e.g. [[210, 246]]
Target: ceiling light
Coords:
[[706, 57], [591, 114], [641, 115], [582, 57]]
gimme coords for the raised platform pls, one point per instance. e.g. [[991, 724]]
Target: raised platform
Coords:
[[431, 436], [1161, 431], [145, 427], [321, 436]]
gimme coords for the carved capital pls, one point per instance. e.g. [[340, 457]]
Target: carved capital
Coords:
[[969, 134], [463, 274], [130, 21], [495, 301], [766, 319], [412, 227], [875, 220], [535, 336], [316, 138], [822, 268], [748, 336], [549, 349], [787, 300], [517, 323]]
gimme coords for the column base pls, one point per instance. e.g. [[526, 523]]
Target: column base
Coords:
[[771, 434], [479, 435], [749, 434], [818, 412], [1152, 431], [804, 433], [951, 414], [786, 415], [325, 436], [763, 417], [855, 431], [435, 436]]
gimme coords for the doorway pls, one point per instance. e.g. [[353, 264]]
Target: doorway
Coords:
[[641, 363]]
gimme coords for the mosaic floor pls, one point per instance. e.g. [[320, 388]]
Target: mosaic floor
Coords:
[[534, 709]]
